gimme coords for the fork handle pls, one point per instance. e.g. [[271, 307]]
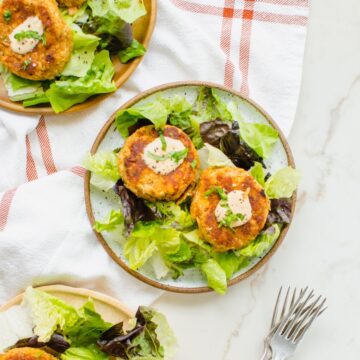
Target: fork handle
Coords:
[[278, 356], [265, 355]]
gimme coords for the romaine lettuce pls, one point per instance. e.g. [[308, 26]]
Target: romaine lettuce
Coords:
[[260, 137], [69, 91], [258, 173], [20, 89], [127, 10], [91, 352], [49, 313], [282, 184], [89, 327], [262, 243], [104, 168], [212, 156], [114, 220], [134, 50], [148, 238], [83, 53], [215, 275]]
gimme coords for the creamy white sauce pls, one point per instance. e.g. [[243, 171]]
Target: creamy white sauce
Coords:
[[163, 167], [32, 23], [239, 203]]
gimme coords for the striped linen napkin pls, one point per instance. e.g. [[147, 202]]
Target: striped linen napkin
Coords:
[[254, 46]]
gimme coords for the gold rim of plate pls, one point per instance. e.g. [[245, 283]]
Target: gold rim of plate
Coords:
[[138, 275], [142, 30]]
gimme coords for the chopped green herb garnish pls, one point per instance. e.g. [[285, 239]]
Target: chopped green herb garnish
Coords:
[[7, 15], [217, 189], [176, 156], [26, 64], [157, 157], [30, 34], [193, 164], [230, 218], [163, 141]]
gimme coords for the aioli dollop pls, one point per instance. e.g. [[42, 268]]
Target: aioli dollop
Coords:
[[238, 202], [32, 23], [167, 165]]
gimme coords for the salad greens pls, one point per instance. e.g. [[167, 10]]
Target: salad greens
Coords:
[[81, 333], [101, 29], [163, 235]]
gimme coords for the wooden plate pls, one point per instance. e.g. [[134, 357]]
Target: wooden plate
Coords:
[[142, 30], [98, 204], [110, 309]]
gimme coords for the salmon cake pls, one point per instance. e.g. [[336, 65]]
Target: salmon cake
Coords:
[[158, 165], [36, 42], [26, 353], [71, 3], [230, 207]]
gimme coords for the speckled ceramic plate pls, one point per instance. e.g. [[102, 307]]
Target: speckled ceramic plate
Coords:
[[99, 204], [142, 31], [110, 309]]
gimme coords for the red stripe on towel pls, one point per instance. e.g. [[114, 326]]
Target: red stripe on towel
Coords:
[[45, 147], [5, 205], [31, 172]]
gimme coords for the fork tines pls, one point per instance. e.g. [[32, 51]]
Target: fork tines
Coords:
[[297, 317]]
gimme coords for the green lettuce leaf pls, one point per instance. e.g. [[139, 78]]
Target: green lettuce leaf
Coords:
[[88, 328], [148, 238], [90, 352], [215, 275], [69, 91], [104, 168], [212, 156], [209, 106], [173, 214], [260, 137], [83, 53], [49, 313], [134, 50], [282, 184], [231, 263], [113, 221], [20, 89], [156, 111], [164, 334], [194, 238], [262, 243], [40, 98], [258, 173], [127, 10]]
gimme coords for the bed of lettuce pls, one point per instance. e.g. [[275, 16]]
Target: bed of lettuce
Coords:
[[45, 322], [163, 235], [101, 29]]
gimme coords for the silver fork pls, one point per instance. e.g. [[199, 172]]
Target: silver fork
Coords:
[[294, 325], [275, 321]]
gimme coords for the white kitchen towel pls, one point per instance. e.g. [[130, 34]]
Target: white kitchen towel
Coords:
[[254, 46]]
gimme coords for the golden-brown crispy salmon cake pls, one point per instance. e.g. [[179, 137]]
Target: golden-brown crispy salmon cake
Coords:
[[230, 207], [36, 43], [158, 167], [70, 3], [26, 353]]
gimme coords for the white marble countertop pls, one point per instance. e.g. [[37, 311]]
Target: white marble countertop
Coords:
[[322, 247]]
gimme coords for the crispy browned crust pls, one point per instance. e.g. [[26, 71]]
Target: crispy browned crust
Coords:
[[70, 3], [142, 180], [203, 208], [47, 60], [27, 354]]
